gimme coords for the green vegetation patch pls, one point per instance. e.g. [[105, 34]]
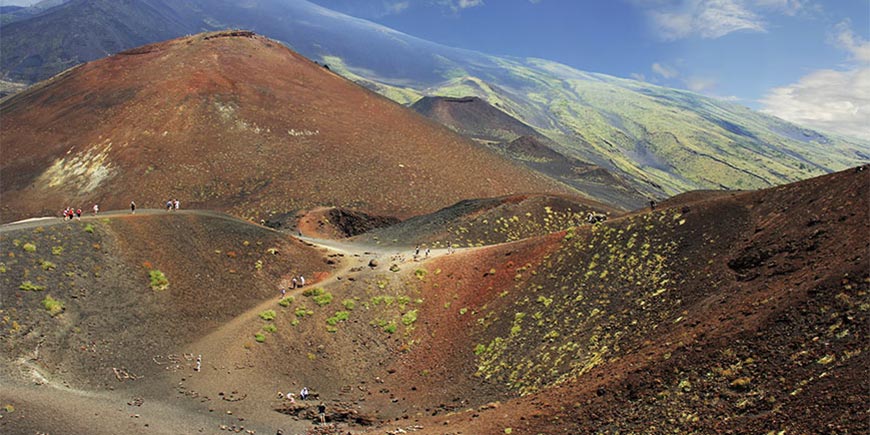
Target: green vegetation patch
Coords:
[[270, 328], [89, 228], [286, 301], [340, 316], [29, 286], [47, 265], [323, 299], [267, 315], [158, 280], [52, 305], [348, 304], [29, 247], [57, 250], [409, 318], [260, 337]]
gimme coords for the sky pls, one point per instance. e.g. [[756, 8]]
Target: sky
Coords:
[[807, 61]]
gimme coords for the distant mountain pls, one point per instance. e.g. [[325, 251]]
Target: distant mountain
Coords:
[[475, 118], [236, 122], [666, 141]]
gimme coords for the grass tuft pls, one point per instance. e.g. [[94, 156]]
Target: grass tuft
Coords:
[[52, 305], [158, 280]]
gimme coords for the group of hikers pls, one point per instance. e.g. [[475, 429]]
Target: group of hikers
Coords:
[[294, 284], [71, 213], [304, 394], [172, 204]]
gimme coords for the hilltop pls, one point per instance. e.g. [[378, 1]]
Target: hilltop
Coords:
[[663, 141], [189, 118]]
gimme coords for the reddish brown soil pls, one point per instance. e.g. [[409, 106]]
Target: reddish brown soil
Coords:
[[233, 122], [745, 313]]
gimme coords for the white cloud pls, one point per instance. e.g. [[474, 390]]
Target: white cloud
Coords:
[[788, 7], [678, 19], [458, 5], [397, 7], [835, 101], [638, 76], [700, 84], [664, 70], [844, 38]]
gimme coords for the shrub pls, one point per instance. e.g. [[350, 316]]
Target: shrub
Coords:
[[286, 301], [57, 250], [89, 228], [479, 349], [2, 268], [390, 327], [409, 318], [270, 328], [302, 312], [316, 291], [29, 286], [47, 265], [340, 316], [158, 280], [349, 304], [29, 247], [267, 315], [322, 299], [52, 305], [260, 337], [420, 274]]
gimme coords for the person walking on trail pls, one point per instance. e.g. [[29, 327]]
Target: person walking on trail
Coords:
[[96, 209], [78, 213], [427, 252], [293, 283], [132, 207], [321, 411], [283, 292], [301, 281], [652, 205], [176, 204], [304, 393], [169, 205]]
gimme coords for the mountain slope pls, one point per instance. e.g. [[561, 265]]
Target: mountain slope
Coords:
[[667, 141], [189, 118], [477, 119]]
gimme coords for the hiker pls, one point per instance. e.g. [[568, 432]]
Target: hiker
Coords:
[[169, 205], [301, 281], [176, 204], [427, 252], [449, 247], [78, 213], [321, 411], [283, 292], [417, 251], [652, 205], [198, 363], [96, 209], [304, 393], [132, 207], [293, 282]]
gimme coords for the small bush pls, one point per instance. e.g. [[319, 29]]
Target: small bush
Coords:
[[267, 315], [302, 312], [29, 286], [47, 265], [317, 291], [158, 280], [340, 316], [349, 304], [260, 337], [57, 250], [89, 228], [390, 327], [52, 305], [420, 274], [409, 318], [286, 301], [322, 299], [29, 247], [271, 328], [479, 349], [2, 268]]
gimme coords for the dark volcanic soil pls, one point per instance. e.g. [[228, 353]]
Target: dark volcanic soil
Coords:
[[742, 313]]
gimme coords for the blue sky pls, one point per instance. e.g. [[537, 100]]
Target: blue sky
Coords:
[[807, 61]]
